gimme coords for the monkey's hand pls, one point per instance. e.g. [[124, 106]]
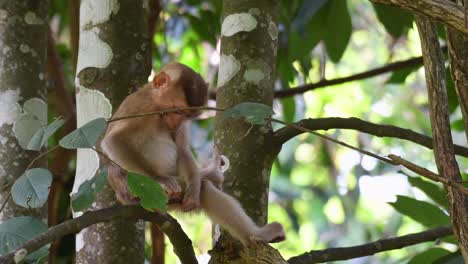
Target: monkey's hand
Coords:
[[171, 186], [191, 199]]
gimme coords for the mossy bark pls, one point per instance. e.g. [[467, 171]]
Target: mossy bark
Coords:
[[247, 74], [124, 32], [23, 43]]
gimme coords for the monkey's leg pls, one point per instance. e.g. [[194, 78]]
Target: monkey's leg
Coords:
[[130, 158], [226, 211], [117, 179]]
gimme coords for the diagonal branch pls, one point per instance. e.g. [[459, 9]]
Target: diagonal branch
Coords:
[[444, 11], [343, 253], [284, 134], [427, 173], [181, 242]]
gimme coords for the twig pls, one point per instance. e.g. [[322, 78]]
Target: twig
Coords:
[[106, 157], [343, 253], [165, 111], [427, 173], [41, 155], [27, 168], [6, 201], [365, 152], [393, 159], [181, 242]]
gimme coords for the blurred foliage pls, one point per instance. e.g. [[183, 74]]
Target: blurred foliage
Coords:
[[324, 194]]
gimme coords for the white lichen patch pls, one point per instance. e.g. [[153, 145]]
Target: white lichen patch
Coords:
[[90, 104], [229, 66], [79, 241], [6, 50], [3, 15], [24, 48], [20, 255], [32, 19], [254, 11], [240, 22], [93, 51], [95, 12], [273, 30], [256, 71], [2, 173], [32, 117], [138, 56], [9, 107], [254, 75]]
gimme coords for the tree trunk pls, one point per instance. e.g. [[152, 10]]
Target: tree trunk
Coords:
[[458, 55], [246, 74], [23, 93], [443, 145], [113, 60]]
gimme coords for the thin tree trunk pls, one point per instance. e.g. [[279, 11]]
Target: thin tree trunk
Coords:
[[246, 74], [443, 145], [23, 93], [458, 55], [113, 59]]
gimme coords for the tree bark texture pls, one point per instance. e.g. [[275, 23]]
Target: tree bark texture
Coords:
[[249, 37], [443, 145], [458, 55], [23, 93], [113, 60], [444, 11]]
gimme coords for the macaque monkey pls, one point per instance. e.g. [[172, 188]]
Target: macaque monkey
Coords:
[[158, 146]]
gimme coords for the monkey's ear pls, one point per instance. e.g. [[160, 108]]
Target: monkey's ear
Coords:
[[161, 80]]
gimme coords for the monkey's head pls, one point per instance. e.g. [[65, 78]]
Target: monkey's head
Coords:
[[180, 86]]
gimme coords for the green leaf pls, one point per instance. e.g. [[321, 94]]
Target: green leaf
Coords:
[[254, 113], [15, 231], [32, 188], [339, 29], [425, 213], [429, 256], [85, 136], [289, 109], [458, 125], [432, 190], [41, 136], [451, 93], [395, 27], [453, 258], [87, 191], [399, 77], [152, 195]]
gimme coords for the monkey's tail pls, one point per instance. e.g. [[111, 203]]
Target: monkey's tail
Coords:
[[227, 212]]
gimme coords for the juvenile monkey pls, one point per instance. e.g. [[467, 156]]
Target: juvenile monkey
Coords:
[[158, 146]]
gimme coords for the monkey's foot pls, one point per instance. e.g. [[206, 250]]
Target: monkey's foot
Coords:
[[189, 204], [172, 188], [255, 239]]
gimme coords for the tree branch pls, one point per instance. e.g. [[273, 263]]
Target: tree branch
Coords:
[[282, 135], [343, 253], [404, 64], [444, 11], [181, 242]]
